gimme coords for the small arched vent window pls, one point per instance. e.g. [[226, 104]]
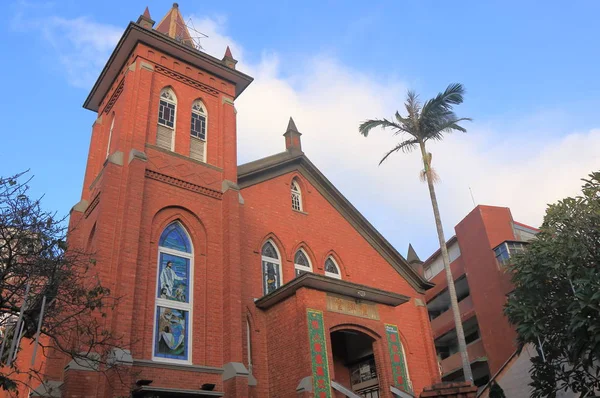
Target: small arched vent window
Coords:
[[296, 196], [302, 264], [271, 268], [332, 269], [167, 109], [198, 131]]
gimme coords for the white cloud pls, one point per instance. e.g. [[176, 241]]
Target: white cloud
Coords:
[[81, 45]]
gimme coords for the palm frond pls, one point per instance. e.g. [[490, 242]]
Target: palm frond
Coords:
[[405, 146], [453, 95], [436, 131], [368, 125]]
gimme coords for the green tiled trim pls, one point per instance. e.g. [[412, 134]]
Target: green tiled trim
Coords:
[[318, 354], [396, 357]]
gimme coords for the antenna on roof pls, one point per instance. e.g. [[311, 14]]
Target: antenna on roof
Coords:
[[472, 198], [195, 34]]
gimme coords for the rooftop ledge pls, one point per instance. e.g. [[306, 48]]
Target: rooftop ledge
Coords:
[[331, 285]]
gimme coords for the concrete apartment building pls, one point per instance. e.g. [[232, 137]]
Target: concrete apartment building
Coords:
[[483, 244]]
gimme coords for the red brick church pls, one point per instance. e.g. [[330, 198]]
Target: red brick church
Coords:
[[252, 280]]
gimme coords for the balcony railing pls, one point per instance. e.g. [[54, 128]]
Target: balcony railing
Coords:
[[445, 322], [454, 362]]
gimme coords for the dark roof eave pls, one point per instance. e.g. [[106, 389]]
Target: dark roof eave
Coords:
[[133, 34], [331, 285], [273, 166]]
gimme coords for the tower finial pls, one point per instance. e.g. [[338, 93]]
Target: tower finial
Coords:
[[145, 20], [228, 59], [292, 137], [173, 26]]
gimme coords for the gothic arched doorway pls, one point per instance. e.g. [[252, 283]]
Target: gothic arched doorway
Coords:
[[354, 362]]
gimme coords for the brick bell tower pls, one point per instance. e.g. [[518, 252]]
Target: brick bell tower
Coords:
[[160, 207]]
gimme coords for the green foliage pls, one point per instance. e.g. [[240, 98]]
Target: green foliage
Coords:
[[423, 122], [556, 301], [496, 391]]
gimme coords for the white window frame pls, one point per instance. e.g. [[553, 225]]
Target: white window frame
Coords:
[[300, 267], [272, 260], [205, 114], [110, 132], [296, 193], [331, 274], [189, 307], [171, 101]]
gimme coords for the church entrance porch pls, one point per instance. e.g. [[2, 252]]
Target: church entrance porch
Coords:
[[354, 362]]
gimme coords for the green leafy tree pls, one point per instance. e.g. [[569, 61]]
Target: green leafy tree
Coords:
[[496, 391], [556, 302], [429, 122]]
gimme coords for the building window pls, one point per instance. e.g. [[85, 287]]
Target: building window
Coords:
[[198, 128], [166, 108], [198, 131], [332, 269], [296, 196], [173, 303], [271, 268], [302, 264], [167, 105], [508, 249]]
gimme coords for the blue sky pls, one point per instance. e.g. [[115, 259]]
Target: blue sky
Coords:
[[530, 69]]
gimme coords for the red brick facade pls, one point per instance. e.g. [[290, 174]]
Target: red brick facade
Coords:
[[129, 198]]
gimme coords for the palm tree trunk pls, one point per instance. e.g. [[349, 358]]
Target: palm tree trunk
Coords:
[[462, 345]]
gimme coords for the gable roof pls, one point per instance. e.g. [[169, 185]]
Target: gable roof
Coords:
[[285, 162]]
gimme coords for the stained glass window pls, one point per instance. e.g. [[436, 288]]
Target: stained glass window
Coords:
[[296, 196], [173, 295], [332, 269], [166, 108], [174, 237], [268, 250], [198, 128], [301, 263], [271, 268]]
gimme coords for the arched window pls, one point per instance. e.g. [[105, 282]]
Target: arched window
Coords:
[[296, 196], [110, 133], [198, 131], [271, 267], [332, 269], [302, 264], [174, 288], [167, 107]]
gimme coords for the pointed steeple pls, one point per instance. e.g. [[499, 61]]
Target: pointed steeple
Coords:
[[292, 137], [145, 20], [228, 59], [412, 257], [173, 26], [414, 261]]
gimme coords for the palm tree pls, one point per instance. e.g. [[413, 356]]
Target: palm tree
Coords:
[[423, 123]]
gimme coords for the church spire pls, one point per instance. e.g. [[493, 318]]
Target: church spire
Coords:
[[173, 26], [228, 59], [145, 20], [292, 137]]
